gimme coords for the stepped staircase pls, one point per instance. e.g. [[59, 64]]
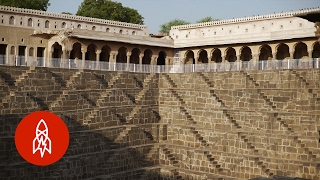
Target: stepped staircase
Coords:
[[259, 91], [101, 98], [152, 151], [124, 133], [309, 153], [185, 112], [214, 163], [193, 129], [65, 92], [242, 135], [17, 82], [139, 97], [307, 85]]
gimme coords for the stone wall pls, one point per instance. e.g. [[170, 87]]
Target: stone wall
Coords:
[[241, 125], [112, 118], [268, 27], [225, 125]]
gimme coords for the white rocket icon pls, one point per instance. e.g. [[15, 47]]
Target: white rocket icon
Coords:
[[42, 141]]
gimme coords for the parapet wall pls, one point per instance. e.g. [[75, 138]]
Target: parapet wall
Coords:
[[271, 27], [36, 19], [225, 125]]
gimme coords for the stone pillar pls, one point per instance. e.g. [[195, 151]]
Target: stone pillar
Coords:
[[113, 60], [128, 60], [209, 63], [64, 59], [50, 61], [83, 58], [97, 62], [310, 54], [64, 54], [83, 55], [128, 57], [239, 63], [291, 55], [113, 56], [153, 60], [98, 52], [139, 68]]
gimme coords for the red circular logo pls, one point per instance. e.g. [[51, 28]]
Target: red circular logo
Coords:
[[42, 138]]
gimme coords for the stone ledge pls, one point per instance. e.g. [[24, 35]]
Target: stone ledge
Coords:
[[243, 155]]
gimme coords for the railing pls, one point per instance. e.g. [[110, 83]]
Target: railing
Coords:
[[146, 68]]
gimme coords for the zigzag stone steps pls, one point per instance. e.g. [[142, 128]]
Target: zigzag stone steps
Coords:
[[66, 91], [139, 97], [103, 95]]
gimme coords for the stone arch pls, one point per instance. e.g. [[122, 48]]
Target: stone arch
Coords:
[[122, 55], [76, 51], [91, 52], [265, 52], [161, 60], [47, 24], [134, 58], [282, 51], [189, 57], [63, 25], [3, 53], [147, 55], [11, 20], [105, 53], [79, 26], [203, 56], [12, 50], [246, 53], [316, 50], [3, 49], [56, 50], [30, 22], [216, 55], [31, 51], [231, 55], [300, 50]]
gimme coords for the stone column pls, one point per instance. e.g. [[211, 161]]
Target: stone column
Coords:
[[83, 58], [239, 63], [209, 63], [97, 62], [64, 54], [50, 60], [98, 52], [255, 62], [128, 60], [113, 60], [140, 59], [139, 68], [64, 59]]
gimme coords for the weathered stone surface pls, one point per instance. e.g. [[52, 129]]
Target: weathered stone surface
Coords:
[[169, 126]]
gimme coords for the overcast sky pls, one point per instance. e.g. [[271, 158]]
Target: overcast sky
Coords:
[[157, 12]]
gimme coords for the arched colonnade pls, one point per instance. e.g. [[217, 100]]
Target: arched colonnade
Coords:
[[281, 51], [103, 52]]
